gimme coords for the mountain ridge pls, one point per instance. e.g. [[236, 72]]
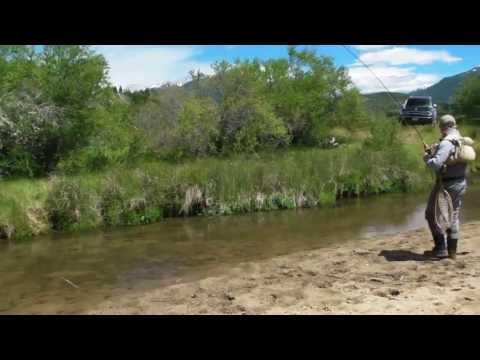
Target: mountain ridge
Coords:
[[442, 92]]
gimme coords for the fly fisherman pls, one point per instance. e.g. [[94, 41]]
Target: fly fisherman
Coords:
[[452, 177]]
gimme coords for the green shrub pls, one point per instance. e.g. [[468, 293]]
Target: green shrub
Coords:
[[213, 186], [250, 125], [198, 128], [116, 142], [383, 134], [72, 204]]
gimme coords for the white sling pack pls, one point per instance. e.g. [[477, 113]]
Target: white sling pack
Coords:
[[464, 151]]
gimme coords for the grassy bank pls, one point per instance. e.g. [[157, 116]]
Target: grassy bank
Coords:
[[431, 135], [149, 192]]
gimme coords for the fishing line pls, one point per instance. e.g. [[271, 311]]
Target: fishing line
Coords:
[[384, 86], [443, 207]]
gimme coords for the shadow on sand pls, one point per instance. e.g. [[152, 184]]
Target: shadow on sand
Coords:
[[405, 255]]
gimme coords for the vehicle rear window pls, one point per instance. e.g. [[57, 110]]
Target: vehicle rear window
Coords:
[[418, 102]]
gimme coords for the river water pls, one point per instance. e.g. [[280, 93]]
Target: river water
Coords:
[[68, 273]]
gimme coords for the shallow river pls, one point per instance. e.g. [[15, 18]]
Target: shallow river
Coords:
[[67, 274]]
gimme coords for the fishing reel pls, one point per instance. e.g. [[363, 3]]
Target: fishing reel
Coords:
[[427, 149], [430, 150]]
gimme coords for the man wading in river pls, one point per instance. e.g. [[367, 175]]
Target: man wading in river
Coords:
[[452, 176]]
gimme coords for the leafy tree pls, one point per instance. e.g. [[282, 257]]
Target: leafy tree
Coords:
[[197, 129], [297, 99], [54, 102], [115, 142], [468, 97], [308, 92], [18, 68], [159, 115], [73, 76], [249, 124], [138, 98], [28, 135], [349, 111]]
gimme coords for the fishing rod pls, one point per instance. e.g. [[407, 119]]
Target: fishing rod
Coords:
[[443, 209], [385, 87]]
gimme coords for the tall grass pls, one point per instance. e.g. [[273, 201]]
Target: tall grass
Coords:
[[211, 186], [22, 210], [432, 135]]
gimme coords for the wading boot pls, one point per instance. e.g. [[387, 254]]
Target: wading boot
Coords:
[[439, 250], [452, 248]]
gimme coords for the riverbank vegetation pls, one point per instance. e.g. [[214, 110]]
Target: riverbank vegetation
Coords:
[[77, 153]]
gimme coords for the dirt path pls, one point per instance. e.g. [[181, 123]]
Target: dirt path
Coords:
[[385, 275]]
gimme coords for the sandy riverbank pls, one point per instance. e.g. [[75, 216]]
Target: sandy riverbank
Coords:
[[384, 275]]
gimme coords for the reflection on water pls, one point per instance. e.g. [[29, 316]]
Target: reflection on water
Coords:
[[33, 275]]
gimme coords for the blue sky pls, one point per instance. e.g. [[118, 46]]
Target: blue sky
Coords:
[[401, 68]]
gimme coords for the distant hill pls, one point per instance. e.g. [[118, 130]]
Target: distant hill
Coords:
[[444, 90], [381, 102], [442, 93]]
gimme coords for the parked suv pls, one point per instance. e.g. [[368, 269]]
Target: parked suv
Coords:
[[418, 110]]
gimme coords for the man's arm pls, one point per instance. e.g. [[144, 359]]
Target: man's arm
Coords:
[[436, 162]]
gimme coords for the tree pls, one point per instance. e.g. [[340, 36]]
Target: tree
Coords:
[[264, 103], [307, 91], [74, 78], [53, 103], [18, 68], [114, 142], [348, 110], [468, 97], [158, 117], [28, 135], [197, 129], [138, 98], [249, 124], [73, 75]]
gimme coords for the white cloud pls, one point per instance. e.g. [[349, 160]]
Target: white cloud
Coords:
[[404, 55], [370, 47], [396, 67], [139, 66], [396, 79]]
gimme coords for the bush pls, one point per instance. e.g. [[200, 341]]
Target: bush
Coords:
[[115, 143], [249, 125], [158, 118], [72, 204], [22, 211], [349, 110], [383, 134], [52, 104], [467, 97], [29, 135], [197, 129], [261, 104]]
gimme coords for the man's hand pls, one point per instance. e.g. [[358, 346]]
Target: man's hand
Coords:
[[428, 152]]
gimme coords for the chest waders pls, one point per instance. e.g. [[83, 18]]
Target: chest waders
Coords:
[[442, 213], [438, 216]]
